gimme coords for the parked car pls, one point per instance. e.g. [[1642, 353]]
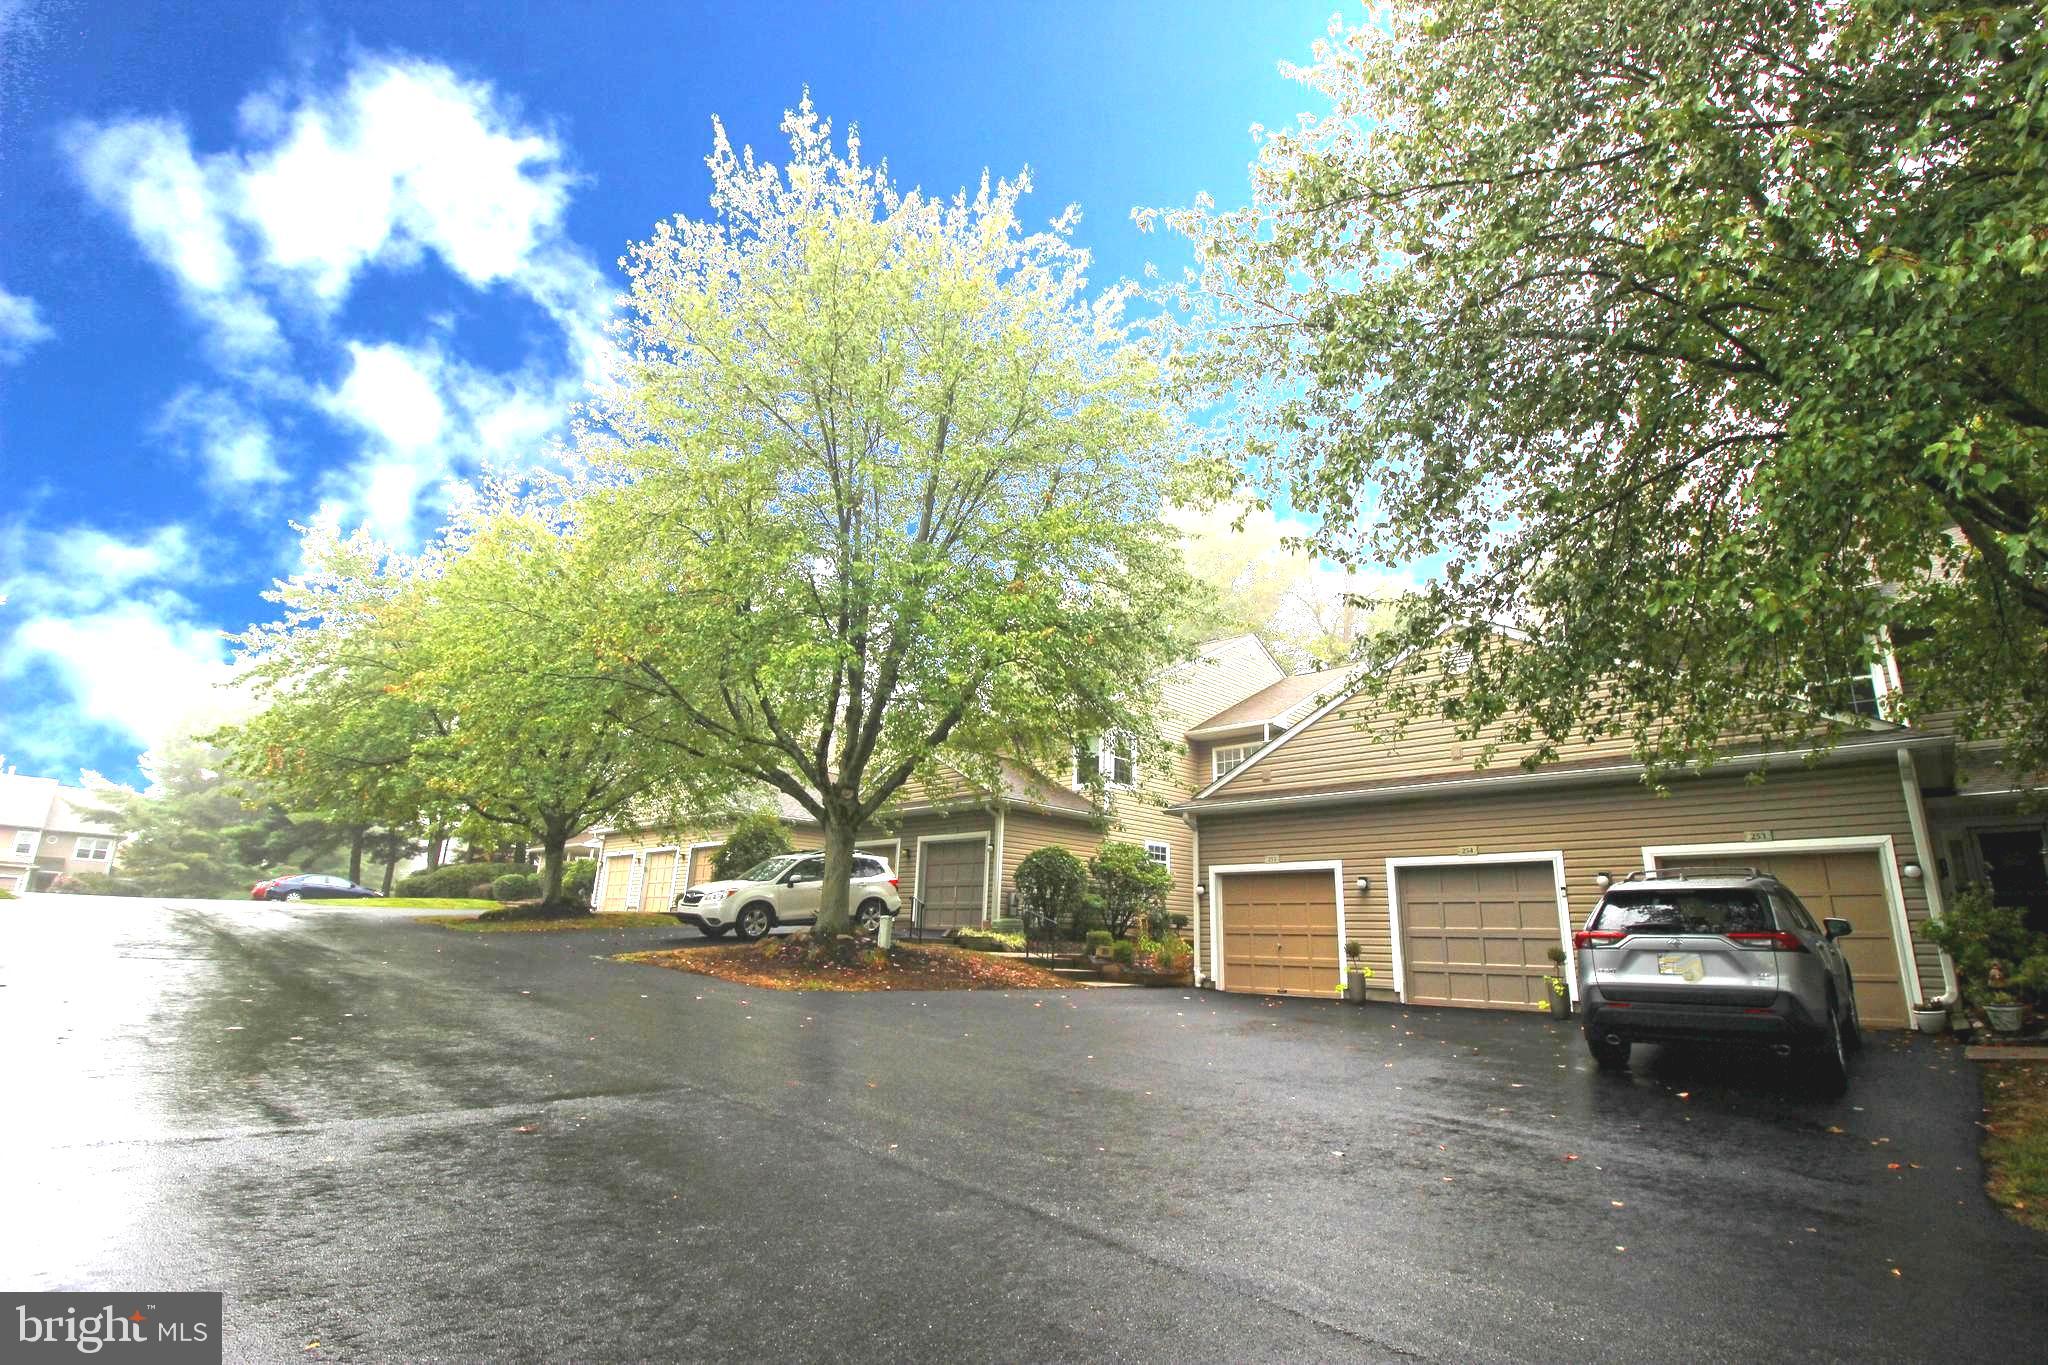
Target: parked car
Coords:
[[306, 886], [785, 890], [1725, 956]]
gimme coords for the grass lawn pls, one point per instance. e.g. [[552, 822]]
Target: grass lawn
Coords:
[[2016, 1145], [409, 902], [474, 924], [782, 964]]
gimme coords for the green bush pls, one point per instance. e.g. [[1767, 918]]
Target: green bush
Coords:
[[988, 941], [1099, 941], [451, 879], [1123, 952], [754, 838], [1130, 886], [1171, 954], [515, 886], [1053, 883], [93, 884], [1981, 936], [579, 880]]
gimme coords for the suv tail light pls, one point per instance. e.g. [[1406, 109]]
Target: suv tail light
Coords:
[[1768, 940], [1597, 938], [894, 885]]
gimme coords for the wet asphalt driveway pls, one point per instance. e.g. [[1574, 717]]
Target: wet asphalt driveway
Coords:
[[401, 1142]]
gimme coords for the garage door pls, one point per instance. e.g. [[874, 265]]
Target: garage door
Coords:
[[658, 888], [1847, 885], [1478, 934], [700, 864], [951, 883], [1279, 933], [618, 872]]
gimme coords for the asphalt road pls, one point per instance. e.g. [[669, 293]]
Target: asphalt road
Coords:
[[401, 1142]]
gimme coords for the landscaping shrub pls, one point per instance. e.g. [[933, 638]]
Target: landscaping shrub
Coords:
[[93, 884], [1170, 954], [1130, 887], [481, 892], [989, 941], [1052, 882], [1179, 919], [1123, 952], [755, 837], [579, 880], [1099, 941], [1990, 944], [515, 886], [452, 879]]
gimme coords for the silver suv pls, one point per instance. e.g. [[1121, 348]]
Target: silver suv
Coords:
[[1716, 955], [785, 890]]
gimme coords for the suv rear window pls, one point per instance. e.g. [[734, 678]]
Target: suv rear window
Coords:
[[864, 866], [1688, 911]]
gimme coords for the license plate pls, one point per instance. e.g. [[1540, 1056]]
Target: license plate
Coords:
[[1686, 965]]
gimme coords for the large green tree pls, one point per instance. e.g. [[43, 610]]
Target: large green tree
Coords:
[[1703, 340], [888, 487]]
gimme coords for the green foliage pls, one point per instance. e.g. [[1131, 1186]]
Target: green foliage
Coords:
[[1168, 954], [410, 902], [2030, 978], [450, 879], [94, 884], [1704, 340], [191, 835], [985, 941], [1051, 882], [1099, 940], [1984, 940], [757, 836], [1123, 952], [579, 880], [1130, 887], [879, 489], [515, 886]]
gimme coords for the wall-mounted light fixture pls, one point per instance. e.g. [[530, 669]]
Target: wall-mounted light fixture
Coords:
[[1911, 872], [1364, 885], [1201, 890], [1602, 880]]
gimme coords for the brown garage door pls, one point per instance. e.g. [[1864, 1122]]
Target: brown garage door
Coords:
[[951, 883], [1478, 934], [657, 889], [1279, 933], [1850, 886], [618, 870]]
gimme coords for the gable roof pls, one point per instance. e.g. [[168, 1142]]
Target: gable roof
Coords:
[[1273, 703]]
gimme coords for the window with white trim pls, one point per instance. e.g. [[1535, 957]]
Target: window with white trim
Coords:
[[1106, 758], [1159, 853], [94, 850], [1224, 757], [24, 843]]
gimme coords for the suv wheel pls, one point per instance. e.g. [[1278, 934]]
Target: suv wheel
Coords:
[[1830, 1057], [1610, 1056], [869, 915], [753, 923]]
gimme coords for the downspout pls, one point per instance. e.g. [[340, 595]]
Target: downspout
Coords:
[[1930, 877], [996, 910], [1195, 892]]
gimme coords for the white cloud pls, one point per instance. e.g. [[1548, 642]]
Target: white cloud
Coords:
[[129, 669], [22, 328], [144, 170], [230, 443], [390, 393], [113, 565]]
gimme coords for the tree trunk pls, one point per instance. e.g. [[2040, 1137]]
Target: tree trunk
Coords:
[[355, 854], [835, 911], [553, 845], [435, 838], [390, 871]]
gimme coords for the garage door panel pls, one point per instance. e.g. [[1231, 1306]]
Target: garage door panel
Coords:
[[1846, 884], [1478, 934]]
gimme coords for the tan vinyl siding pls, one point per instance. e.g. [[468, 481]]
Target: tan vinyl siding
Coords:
[[1600, 828]]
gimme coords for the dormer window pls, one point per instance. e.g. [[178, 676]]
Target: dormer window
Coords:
[[1225, 757], [1106, 758]]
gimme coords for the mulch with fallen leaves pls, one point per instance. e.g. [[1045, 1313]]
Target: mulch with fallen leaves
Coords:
[[787, 964], [2016, 1140]]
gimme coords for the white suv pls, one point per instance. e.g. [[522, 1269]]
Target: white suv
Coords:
[[784, 890]]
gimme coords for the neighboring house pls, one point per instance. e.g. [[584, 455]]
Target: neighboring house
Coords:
[[1458, 882], [956, 850], [48, 830]]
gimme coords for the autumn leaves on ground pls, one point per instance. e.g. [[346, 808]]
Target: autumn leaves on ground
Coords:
[[2016, 1140], [788, 964]]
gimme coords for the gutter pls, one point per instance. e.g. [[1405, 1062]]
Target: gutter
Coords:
[[1525, 781]]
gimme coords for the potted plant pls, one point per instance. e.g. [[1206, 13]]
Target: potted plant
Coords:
[[1983, 940], [1557, 991], [1930, 1018], [2002, 1011], [1356, 972]]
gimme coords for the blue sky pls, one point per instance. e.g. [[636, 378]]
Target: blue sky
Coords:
[[264, 263]]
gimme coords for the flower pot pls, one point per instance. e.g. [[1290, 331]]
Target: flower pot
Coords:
[[2003, 1018], [1560, 1004], [1930, 1020], [1354, 989]]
